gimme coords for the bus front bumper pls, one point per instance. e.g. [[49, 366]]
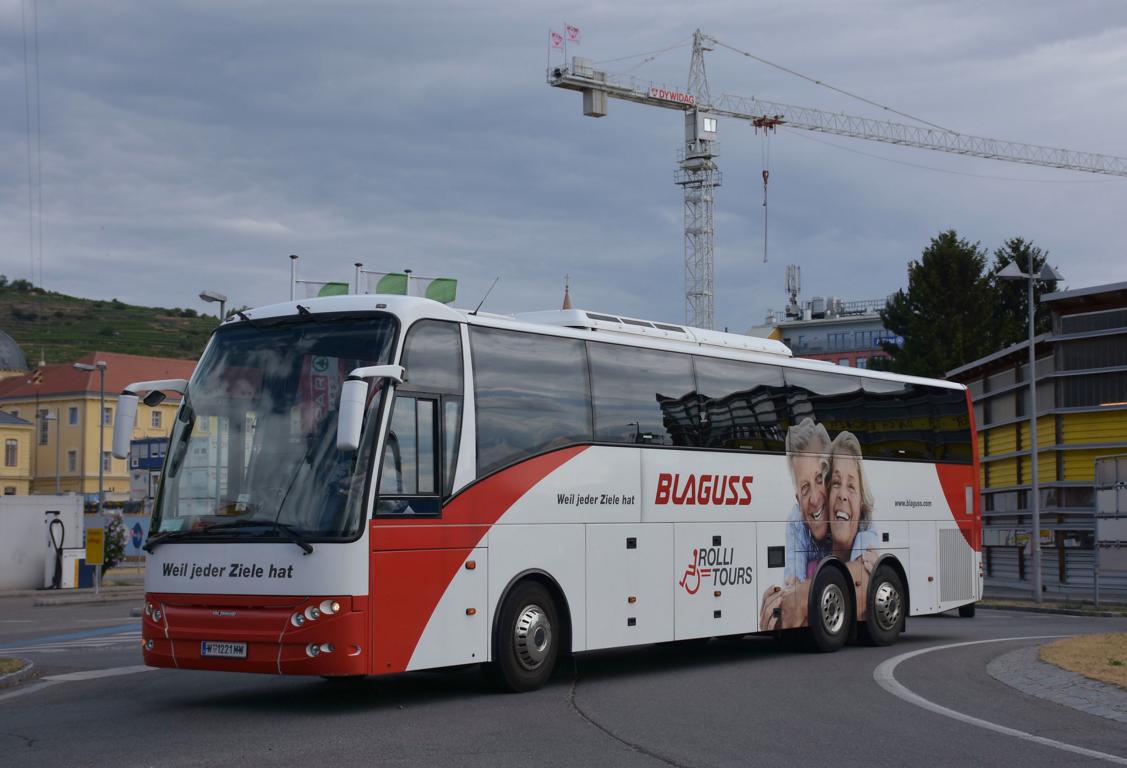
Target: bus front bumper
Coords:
[[255, 633]]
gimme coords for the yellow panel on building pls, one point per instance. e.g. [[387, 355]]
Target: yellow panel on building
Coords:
[[1097, 427], [1081, 465], [1003, 473], [1002, 439]]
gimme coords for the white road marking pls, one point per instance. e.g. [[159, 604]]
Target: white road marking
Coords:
[[99, 642], [95, 674], [884, 674], [72, 677]]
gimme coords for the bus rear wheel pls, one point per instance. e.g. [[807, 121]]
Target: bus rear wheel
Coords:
[[831, 611], [884, 619], [526, 643], [967, 611]]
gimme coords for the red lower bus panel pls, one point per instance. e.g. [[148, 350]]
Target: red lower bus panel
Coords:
[[273, 644]]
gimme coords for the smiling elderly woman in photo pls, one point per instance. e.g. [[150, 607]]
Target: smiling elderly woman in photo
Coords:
[[849, 501]]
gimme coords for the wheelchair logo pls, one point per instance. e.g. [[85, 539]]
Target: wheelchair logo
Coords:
[[693, 574]]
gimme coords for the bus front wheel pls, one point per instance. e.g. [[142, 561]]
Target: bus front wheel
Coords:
[[967, 611], [526, 643], [831, 611]]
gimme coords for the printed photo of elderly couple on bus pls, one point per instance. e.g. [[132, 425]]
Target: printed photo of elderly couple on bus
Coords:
[[832, 515]]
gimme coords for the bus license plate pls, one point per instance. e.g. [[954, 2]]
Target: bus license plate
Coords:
[[223, 650]]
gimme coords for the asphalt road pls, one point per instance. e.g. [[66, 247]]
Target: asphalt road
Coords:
[[732, 702]]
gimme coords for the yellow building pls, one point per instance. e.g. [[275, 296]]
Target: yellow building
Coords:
[[1081, 386], [15, 470], [65, 411]]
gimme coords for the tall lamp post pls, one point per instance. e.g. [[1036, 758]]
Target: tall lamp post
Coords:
[[100, 367], [216, 296], [1047, 275], [53, 416]]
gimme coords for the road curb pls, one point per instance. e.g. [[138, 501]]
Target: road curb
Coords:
[[13, 679], [1060, 611], [58, 593], [89, 599]]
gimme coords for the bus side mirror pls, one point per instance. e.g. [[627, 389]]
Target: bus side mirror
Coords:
[[127, 408], [354, 398], [350, 421], [123, 425]]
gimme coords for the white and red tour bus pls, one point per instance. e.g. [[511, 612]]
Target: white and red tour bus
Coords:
[[363, 485]]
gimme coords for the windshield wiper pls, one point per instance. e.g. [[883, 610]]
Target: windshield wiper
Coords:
[[290, 532]]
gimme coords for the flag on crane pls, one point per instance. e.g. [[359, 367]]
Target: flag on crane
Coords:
[[572, 34], [556, 38]]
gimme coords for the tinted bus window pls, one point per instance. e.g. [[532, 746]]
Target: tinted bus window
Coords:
[[642, 396], [833, 400], [531, 393], [899, 423], [432, 357], [742, 403], [951, 425]]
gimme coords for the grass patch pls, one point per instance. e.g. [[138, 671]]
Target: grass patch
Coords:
[[10, 665], [1099, 657]]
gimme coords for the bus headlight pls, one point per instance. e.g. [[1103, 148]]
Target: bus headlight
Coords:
[[329, 607], [297, 619], [312, 650], [312, 613], [157, 614]]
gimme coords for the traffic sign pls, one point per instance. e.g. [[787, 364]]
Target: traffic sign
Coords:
[[95, 546]]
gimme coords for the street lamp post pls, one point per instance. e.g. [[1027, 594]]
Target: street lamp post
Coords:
[[216, 296], [53, 416], [100, 367], [1013, 272]]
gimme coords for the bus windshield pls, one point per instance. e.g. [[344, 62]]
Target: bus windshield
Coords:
[[255, 438]]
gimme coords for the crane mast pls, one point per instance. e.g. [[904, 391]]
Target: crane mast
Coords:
[[698, 172], [699, 176]]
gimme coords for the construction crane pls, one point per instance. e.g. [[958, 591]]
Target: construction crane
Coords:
[[698, 173]]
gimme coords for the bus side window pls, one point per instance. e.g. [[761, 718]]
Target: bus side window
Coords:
[[432, 358], [742, 404], [827, 397], [409, 471], [899, 420], [531, 395], [643, 396]]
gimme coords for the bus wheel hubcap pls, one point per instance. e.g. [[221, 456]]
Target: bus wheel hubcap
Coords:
[[886, 602], [532, 636], [833, 609]]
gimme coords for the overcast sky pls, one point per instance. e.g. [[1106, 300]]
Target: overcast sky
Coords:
[[193, 145]]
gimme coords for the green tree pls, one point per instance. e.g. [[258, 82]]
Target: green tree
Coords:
[[1011, 303], [945, 316]]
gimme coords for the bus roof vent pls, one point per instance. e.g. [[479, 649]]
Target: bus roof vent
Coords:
[[598, 321]]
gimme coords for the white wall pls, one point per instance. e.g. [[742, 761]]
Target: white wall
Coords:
[[23, 536]]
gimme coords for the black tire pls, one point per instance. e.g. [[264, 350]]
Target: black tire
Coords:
[[526, 643], [830, 612], [967, 611], [884, 617]]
